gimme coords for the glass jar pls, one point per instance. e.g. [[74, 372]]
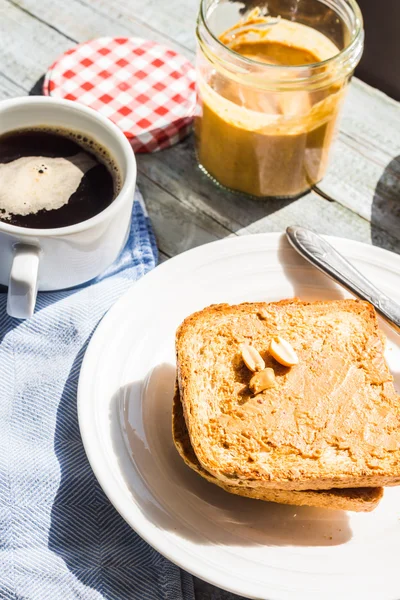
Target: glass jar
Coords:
[[271, 77]]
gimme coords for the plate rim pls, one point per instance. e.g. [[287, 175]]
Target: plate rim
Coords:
[[162, 544]]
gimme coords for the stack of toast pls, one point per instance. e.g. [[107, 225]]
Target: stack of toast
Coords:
[[322, 430]]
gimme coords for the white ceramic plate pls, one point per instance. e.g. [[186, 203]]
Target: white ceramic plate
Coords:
[[252, 548]]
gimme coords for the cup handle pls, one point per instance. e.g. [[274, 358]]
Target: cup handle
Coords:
[[23, 284]]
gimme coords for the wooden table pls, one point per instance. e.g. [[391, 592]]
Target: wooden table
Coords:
[[359, 198]]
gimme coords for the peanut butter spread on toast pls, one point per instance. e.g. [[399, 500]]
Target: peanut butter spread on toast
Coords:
[[355, 499], [331, 420]]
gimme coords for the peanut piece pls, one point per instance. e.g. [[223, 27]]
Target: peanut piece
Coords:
[[252, 358], [283, 352], [262, 380]]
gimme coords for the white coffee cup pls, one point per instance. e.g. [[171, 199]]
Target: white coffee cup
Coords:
[[54, 259]]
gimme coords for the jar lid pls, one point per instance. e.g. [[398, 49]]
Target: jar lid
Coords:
[[147, 89]]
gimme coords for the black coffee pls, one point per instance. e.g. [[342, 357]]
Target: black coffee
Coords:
[[54, 178]]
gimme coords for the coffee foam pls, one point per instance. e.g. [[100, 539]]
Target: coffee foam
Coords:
[[31, 184], [34, 183]]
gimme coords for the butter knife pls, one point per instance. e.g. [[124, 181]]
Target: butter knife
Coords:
[[322, 255]]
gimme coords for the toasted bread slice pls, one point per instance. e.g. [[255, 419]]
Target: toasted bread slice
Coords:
[[355, 499], [332, 421]]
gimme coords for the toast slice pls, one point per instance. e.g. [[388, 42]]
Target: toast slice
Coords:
[[332, 421], [355, 499]]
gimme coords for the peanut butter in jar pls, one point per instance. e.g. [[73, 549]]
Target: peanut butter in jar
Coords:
[[270, 90]]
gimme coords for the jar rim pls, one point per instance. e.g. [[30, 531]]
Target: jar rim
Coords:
[[342, 54]]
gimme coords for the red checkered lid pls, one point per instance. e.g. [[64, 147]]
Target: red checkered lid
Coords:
[[147, 89]]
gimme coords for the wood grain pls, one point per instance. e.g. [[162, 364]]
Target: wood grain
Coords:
[[9, 89], [83, 20], [371, 119], [27, 46], [364, 174], [174, 19], [177, 227]]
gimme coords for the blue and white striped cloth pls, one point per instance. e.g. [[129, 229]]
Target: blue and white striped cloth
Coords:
[[60, 538]]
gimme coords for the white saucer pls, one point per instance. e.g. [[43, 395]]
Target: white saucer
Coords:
[[252, 548]]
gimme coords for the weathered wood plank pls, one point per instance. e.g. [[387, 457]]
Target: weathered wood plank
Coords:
[[369, 189], [9, 89], [27, 46], [331, 218], [176, 171], [372, 120], [177, 227], [365, 168], [175, 19], [80, 20]]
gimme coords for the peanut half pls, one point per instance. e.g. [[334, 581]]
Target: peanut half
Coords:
[[262, 380], [283, 352], [252, 358]]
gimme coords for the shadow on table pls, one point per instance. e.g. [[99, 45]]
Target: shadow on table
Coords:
[[385, 210], [37, 88]]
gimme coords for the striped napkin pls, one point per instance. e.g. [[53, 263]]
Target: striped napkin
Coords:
[[60, 538]]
